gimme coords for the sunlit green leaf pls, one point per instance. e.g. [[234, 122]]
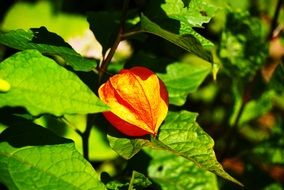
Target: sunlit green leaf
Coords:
[[191, 14], [42, 86], [48, 43], [43, 13], [174, 172], [33, 158], [182, 79], [125, 146], [181, 135], [186, 41]]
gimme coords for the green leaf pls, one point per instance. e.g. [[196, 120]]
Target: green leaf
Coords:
[[4, 86], [33, 158], [181, 16], [105, 26], [125, 146], [138, 180], [193, 14], [240, 58], [277, 80], [48, 15], [48, 43], [182, 79], [181, 135], [42, 86], [186, 41], [174, 172], [256, 108], [270, 151]]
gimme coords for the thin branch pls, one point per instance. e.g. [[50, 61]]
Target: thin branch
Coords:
[[109, 56], [275, 19]]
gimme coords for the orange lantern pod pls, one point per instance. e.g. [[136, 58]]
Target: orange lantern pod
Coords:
[[138, 101]]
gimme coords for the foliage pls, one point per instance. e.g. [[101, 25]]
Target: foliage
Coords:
[[221, 132]]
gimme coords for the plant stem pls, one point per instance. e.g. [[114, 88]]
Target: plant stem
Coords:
[[103, 67], [275, 18], [85, 136]]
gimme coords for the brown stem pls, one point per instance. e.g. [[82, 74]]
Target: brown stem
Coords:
[[275, 19], [103, 67]]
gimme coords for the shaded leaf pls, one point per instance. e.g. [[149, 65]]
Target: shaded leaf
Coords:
[[32, 157], [256, 108], [138, 180], [42, 86], [239, 57], [105, 26], [182, 79], [186, 41], [48, 43], [173, 172], [270, 151]]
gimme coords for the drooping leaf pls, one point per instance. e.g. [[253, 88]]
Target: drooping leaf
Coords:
[[185, 41], [125, 146], [33, 158], [239, 57], [182, 135], [182, 79], [174, 172], [42, 86], [48, 43]]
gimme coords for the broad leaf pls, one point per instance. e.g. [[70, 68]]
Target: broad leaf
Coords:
[[42, 86], [48, 43], [181, 135], [186, 41], [174, 172], [33, 158], [182, 79]]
